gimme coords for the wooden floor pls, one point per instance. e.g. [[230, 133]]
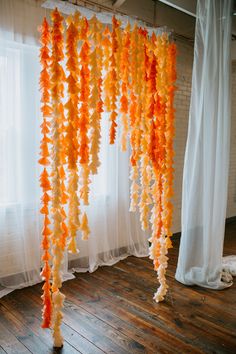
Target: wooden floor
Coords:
[[112, 311]]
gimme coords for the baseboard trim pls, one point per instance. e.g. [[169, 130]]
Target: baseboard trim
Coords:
[[176, 235], [230, 220]]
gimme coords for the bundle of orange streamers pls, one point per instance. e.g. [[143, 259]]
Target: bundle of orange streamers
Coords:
[[155, 112], [124, 100], [145, 128], [58, 175], [113, 89], [170, 132], [84, 57], [84, 125], [161, 153], [134, 173], [96, 103], [44, 178], [106, 43], [138, 83], [141, 125], [72, 65], [124, 72]]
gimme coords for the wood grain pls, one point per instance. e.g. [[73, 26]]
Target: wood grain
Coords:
[[112, 311]]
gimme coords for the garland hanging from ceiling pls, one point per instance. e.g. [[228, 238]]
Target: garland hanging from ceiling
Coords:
[[130, 75]]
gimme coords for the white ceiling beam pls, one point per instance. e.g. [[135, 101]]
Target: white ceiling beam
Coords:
[[187, 6], [117, 3]]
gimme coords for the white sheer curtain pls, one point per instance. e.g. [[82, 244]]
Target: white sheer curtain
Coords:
[[115, 233], [207, 151], [19, 120]]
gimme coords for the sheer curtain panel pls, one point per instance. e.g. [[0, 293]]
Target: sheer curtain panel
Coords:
[[115, 233], [19, 220], [207, 151]]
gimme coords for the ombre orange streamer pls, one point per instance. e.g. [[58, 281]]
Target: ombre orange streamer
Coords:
[[133, 96], [170, 132], [124, 100], [44, 177], [72, 146], [106, 43], [144, 136], [96, 102], [58, 173], [84, 95], [113, 90], [134, 173], [84, 57]]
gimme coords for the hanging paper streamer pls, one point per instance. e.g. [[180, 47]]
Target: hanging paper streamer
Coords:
[[96, 103], [72, 146], [44, 178], [58, 175], [114, 79], [125, 85], [84, 58], [106, 43], [145, 127], [131, 75]]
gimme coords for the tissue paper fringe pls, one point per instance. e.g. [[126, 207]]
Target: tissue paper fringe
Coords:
[[44, 177], [127, 73], [72, 145], [59, 196]]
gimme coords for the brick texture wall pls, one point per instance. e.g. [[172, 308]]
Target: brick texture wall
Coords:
[[182, 102], [231, 208]]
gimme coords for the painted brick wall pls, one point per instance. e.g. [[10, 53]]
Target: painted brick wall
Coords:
[[231, 209], [182, 102]]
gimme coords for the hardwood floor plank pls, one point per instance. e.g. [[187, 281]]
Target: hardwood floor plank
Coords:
[[30, 315], [70, 335], [194, 293], [16, 325], [105, 337], [124, 321], [218, 335], [84, 321], [143, 309], [112, 311], [100, 314], [8, 341]]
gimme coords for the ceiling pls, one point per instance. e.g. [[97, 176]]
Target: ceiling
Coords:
[[189, 6], [178, 15]]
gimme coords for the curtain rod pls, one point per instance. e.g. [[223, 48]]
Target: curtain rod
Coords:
[[103, 13], [146, 23]]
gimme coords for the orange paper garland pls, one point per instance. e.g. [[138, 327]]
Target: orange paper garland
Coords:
[[84, 57], [72, 146], [58, 175], [125, 83], [123, 72], [96, 102], [114, 76], [44, 177]]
